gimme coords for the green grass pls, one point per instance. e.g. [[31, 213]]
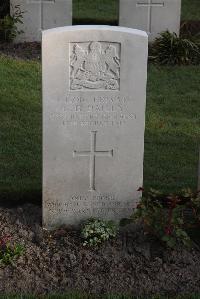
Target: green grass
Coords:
[[190, 10], [171, 140], [107, 11], [172, 128], [20, 129], [95, 12]]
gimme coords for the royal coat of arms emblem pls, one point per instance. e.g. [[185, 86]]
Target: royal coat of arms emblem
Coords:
[[95, 66]]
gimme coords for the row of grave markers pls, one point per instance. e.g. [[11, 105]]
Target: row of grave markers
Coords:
[[152, 16]]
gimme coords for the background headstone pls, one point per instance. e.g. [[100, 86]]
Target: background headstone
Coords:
[[94, 94], [152, 16], [40, 15]]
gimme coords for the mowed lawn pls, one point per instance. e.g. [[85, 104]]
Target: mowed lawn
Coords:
[[107, 11], [172, 128], [20, 129], [171, 140]]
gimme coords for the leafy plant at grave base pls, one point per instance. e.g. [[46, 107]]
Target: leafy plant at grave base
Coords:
[[8, 251], [96, 231], [165, 216], [8, 25], [169, 49]]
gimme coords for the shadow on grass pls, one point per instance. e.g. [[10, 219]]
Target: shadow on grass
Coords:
[[89, 21], [11, 199]]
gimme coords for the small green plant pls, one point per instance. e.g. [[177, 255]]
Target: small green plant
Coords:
[[96, 231], [8, 25], [169, 49], [165, 216], [8, 251]]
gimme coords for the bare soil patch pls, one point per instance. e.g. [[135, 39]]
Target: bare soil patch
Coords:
[[57, 262], [191, 28], [27, 51]]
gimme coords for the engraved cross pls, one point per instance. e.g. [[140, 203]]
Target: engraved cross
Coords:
[[93, 153], [149, 4]]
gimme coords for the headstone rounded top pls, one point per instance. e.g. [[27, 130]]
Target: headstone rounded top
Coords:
[[95, 27]]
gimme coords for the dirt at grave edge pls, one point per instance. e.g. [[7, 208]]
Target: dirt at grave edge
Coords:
[[58, 263], [26, 51]]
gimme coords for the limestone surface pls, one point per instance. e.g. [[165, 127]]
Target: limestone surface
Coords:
[[94, 94]]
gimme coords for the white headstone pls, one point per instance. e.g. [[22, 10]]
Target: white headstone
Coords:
[[94, 94], [40, 15], [152, 16]]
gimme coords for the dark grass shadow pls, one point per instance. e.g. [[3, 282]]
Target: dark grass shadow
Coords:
[[88, 21], [12, 199]]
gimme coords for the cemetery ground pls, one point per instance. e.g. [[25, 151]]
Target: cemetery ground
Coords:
[[58, 262]]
